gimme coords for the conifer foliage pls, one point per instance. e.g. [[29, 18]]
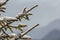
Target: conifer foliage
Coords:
[[5, 22]]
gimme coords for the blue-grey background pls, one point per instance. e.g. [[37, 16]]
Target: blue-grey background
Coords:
[[47, 14]]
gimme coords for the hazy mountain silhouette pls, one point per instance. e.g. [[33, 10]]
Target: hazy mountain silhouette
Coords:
[[54, 35], [48, 32]]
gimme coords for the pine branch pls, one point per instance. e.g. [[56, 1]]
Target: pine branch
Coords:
[[6, 23], [4, 3]]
